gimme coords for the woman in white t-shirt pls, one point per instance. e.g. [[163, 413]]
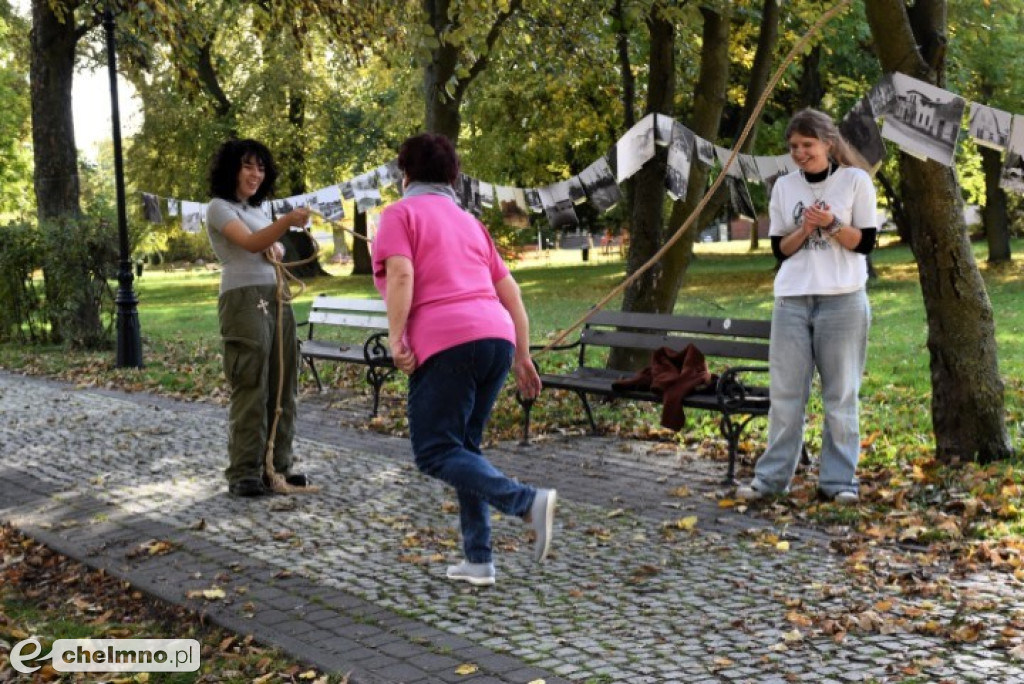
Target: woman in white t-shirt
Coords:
[[822, 227]]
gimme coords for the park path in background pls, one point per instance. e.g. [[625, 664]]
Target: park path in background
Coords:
[[649, 580]]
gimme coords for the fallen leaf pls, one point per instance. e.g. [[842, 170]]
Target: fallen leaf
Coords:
[[466, 669]]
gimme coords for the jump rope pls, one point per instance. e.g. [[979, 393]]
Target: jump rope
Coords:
[[285, 294]]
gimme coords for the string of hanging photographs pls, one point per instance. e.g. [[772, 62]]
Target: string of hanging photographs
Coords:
[[922, 119]]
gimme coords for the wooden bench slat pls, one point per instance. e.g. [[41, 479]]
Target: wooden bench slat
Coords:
[[354, 320], [678, 323], [709, 346], [362, 319]]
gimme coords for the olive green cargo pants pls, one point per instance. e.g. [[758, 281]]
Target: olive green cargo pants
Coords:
[[248, 328]]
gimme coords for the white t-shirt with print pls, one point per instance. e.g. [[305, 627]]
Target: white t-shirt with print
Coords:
[[822, 266]]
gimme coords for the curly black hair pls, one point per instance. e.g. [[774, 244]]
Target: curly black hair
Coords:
[[227, 162]]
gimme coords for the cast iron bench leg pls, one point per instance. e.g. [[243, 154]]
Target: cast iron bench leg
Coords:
[[316, 376]]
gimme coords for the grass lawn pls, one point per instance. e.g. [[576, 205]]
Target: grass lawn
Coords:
[[177, 314]]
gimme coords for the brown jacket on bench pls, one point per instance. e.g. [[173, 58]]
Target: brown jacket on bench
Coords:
[[674, 375]]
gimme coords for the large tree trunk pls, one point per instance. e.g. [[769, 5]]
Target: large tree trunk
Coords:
[[53, 128], [709, 103], [648, 184], [443, 111], [443, 90], [968, 414], [995, 216]]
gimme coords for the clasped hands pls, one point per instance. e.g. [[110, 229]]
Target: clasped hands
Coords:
[[816, 217]]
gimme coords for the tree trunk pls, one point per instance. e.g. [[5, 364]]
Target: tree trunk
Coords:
[[995, 216], [53, 128], [968, 414], [443, 92], [647, 188], [709, 103], [361, 263], [442, 111]]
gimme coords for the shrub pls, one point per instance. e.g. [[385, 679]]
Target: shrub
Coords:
[[79, 260], [21, 316]]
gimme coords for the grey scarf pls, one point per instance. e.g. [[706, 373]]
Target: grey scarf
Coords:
[[420, 188]]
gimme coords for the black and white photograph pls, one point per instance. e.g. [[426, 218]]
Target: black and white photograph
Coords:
[[388, 174], [151, 208], [512, 203], [705, 150], [860, 129], [599, 184], [486, 195], [191, 216], [533, 200], [680, 156], [1012, 178], [558, 205], [327, 202], [748, 168], [769, 171], [925, 121], [734, 170], [882, 96], [172, 207], [739, 199], [365, 191], [989, 126], [280, 207], [785, 163], [348, 193], [663, 126], [468, 190], [634, 149]]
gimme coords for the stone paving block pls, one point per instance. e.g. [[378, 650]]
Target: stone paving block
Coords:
[[673, 624]]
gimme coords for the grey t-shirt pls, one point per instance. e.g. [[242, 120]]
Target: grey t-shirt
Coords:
[[242, 268]]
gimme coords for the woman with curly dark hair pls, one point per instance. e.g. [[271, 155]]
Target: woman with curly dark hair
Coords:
[[242, 175]]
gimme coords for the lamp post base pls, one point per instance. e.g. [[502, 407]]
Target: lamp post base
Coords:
[[129, 338]]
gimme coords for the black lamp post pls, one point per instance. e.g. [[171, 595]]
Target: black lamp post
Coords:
[[129, 342]]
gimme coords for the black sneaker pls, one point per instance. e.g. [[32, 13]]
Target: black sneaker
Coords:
[[247, 487], [294, 479]]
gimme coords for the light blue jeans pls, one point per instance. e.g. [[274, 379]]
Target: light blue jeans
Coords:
[[828, 333]]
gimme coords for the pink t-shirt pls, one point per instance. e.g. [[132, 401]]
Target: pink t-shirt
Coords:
[[455, 267]]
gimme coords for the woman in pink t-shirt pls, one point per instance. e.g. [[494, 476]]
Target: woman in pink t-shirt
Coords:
[[457, 324]]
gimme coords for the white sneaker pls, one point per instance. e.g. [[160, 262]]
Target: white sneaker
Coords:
[[846, 498], [748, 493], [542, 518], [477, 574]]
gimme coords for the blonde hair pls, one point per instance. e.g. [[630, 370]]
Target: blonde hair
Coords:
[[815, 124]]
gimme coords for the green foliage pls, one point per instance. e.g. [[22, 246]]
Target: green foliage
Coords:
[[79, 260], [16, 197], [20, 258], [191, 247]]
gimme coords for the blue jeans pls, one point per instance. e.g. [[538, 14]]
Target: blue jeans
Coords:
[[450, 400], [828, 333]]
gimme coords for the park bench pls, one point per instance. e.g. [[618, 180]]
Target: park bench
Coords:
[[349, 331], [722, 341]]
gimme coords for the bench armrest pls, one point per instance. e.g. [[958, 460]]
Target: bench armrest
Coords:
[[376, 350], [732, 392]]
